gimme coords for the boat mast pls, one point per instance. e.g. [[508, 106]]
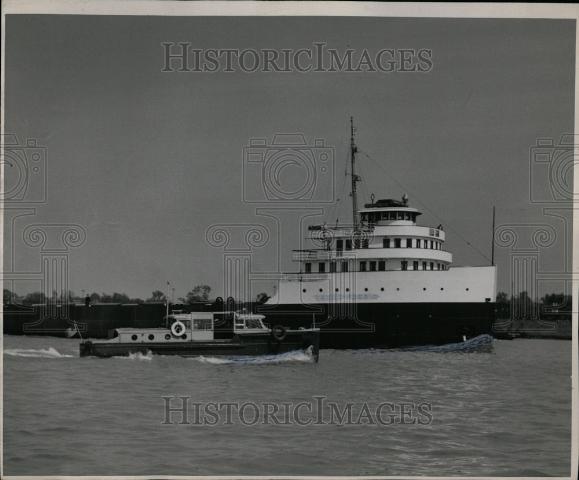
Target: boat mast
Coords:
[[493, 244], [355, 178]]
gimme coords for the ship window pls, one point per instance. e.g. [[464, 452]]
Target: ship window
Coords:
[[431, 265], [407, 215], [382, 289], [347, 289], [441, 288], [340, 244], [308, 268], [151, 337], [332, 267], [362, 266], [167, 337], [386, 243], [348, 244], [400, 215], [372, 266], [384, 215], [322, 267], [365, 243], [408, 243], [337, 289], [392, 215], [438, 266], [304, 290], [344, 266], [404, 265], [397, 242], [134, 337], [424, 289], [423, 265], [382, 265], [418, 243], [356, 243], [467, 289], [415, 265], [321, 290]]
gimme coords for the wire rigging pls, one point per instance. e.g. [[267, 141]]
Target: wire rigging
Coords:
[[442, 220]]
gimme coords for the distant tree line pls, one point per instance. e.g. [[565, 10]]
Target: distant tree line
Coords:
[[199, 293], [523, 305]]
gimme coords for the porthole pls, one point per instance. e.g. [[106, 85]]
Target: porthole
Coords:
[[424, 288], [347, 289], [467, 289], [167, 337], [304, 290], [134, 337], [184, 336], [382, 289], [397, 289], [321, 289], [441, 289], [151, 337], [337, 289], [366, 289]]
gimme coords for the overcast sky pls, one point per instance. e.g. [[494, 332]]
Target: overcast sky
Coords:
[[147, 161]]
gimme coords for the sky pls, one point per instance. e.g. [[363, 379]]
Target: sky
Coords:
[[147, 162]]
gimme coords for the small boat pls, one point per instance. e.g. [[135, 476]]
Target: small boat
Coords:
[[206, 333]]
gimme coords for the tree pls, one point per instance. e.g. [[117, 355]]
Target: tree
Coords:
[[262, 297], [34, 298], [200, 293], [157, 296], [10, 297]]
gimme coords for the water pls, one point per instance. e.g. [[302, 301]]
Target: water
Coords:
[[505, 413]]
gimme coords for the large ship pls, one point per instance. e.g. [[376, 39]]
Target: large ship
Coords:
[[383, 281]]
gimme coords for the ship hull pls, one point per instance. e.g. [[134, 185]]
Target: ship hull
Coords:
[[388, 325], [247, 344]]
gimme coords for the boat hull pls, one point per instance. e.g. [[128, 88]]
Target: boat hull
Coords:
[[387, 325], [247, 344]]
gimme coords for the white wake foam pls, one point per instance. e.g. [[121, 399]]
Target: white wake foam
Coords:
[[298, 356], [32, 353], [139, 356]]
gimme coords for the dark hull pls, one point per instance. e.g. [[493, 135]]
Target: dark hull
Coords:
[[253, 345], [373, 325]]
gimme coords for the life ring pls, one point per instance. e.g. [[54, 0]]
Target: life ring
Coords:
[[279, 333], [178, 328]]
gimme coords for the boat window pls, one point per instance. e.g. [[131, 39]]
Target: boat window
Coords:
[[400, 215], [408, 243], [339, 244], [372, 266], [418, 243], [381, 265], [397, 242], [362, 266], [348, 244], [332, 267], [431, 265], [404, 265], [134, 337], [385, 243], [392, 215], [202, 324], [344, 266], [151, 337], [253, 323], [322, 267], [423, 265], [407, 215], [415, 265], [308, 268]]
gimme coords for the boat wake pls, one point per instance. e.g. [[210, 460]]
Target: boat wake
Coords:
[[139, 356], [32, 353], [482, 343], [299, 356]]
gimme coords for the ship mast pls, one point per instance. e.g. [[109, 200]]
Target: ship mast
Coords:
[[355, 178]]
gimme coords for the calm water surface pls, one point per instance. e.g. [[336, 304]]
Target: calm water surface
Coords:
[[504, 413]]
